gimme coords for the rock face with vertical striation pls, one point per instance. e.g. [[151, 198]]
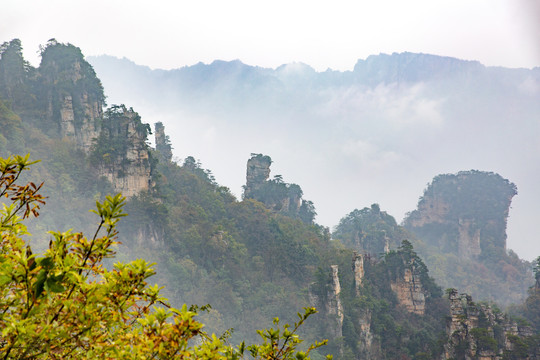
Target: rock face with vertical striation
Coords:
[[121, 154], [410, 291], [327, 299], [73, 94], [65, 99], [460, 223], [274, 193], [464, 213], [258, 172], [477, 331], [368, 348], [334, 306], [358, 270], [163, 144], [115, 140], [73, 100]]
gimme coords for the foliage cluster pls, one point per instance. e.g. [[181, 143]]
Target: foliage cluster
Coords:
[[11, 125], [483, 198], [17, 76], [284, 198], [65, 72], [278, 195], [121, 130], [369, 230], [492, 334], [472, 194], [38, 94], [66, 305], [248, 262], [396, 332]]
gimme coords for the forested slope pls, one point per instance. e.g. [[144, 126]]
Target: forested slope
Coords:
[[252, 259]]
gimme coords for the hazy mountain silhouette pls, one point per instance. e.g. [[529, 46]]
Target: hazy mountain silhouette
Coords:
[[376, 134]]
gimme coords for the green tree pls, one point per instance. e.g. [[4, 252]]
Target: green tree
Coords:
[[536, 269], [369, 230], [15, 73], [531, 309], [65, 304]]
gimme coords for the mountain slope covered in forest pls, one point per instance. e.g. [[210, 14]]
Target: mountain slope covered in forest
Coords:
[[253, 258], [376, 134]]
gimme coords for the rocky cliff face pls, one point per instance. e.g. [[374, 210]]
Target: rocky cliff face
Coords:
[[163, 144], [73, 98], [115, 140], [410, 292], [121, 154], [334, 306], [468, 239], [431, 210], [73, 95], [465, 213], [408, 288], [258, 172], [275, 194], [358, 270], [329, 302], [85, 131], [368, 347], [65, 99], [477, 331]]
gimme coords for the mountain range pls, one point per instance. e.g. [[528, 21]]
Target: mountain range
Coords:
[[264, 255], [377, 133]]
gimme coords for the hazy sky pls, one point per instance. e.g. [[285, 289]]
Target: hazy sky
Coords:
[[170, 34]]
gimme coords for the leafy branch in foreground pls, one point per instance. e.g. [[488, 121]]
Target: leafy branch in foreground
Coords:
[[65, 305], [281, 343]]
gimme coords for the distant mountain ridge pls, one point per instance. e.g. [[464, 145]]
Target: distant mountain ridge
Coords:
[[239, 85], [387, 125], [264, 255], [375, 68]]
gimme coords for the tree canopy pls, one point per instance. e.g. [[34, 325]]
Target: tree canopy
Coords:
[[64, 304]]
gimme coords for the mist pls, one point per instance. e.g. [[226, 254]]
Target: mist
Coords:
[[377, 134]]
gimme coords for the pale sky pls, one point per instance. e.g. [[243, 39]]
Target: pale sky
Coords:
[[170, 34]]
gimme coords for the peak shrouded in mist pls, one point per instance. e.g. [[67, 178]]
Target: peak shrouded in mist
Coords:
[[376, 134]]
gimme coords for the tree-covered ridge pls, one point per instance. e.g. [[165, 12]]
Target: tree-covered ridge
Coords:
[[11, 126], [39, 94], [473, 194], [276, 194], [249, 261], [16, 75], [376, 324], [369, 230], [121, 129], [460, 230], [65, 72], [64, 304]]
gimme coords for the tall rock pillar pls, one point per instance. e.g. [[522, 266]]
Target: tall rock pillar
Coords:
[[258, 172]]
